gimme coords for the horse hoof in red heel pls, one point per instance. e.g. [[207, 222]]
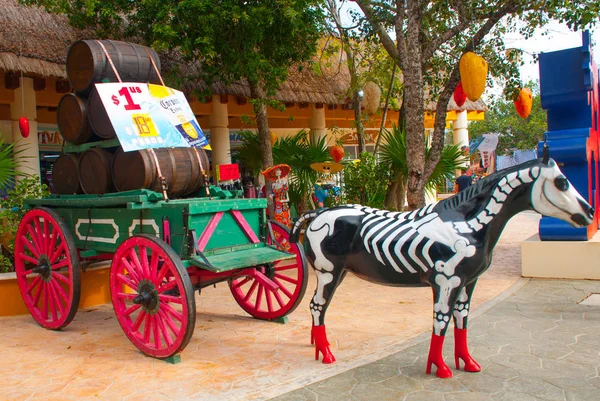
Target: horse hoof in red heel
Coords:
[[319, 335], [471, 365], [443, 371]]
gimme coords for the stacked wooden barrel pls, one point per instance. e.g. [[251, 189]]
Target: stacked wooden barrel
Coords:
[[83, 119]]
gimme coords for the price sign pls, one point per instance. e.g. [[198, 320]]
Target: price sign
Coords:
[[228, 172], [150, 116]]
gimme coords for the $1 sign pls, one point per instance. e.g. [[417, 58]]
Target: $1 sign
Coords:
[[126, 93]]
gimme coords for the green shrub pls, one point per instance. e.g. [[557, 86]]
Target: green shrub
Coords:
[[366, 181], [11, 213]]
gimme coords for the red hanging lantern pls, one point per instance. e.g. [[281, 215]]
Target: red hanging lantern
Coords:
[[24, 127], [460, 97]]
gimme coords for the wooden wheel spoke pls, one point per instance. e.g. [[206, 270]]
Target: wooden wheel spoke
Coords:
[[287, 267], [251, 290], [144, 262], [122, 295], [60, 291], [131, 309], [30, 246], [241, 282], [34, 283], [47, 235], [44, 301], [286, 278], [136, 262], [62, 248], [259, 296], [54, 235], [61, 277], [169, 322], [38, 294], [40, 235], [163, 328], [278, 298], [170, 298], [283, 288], [52, 301], [147, 329], [29, 259], [138, 321], [169, 309], [166, 287], [34, 239], [154, 267], [156, 333], [269, 301], [125, 280], [131, 270], [162, 273], [61, 264]]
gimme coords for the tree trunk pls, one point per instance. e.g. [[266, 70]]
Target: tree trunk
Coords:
[[391, 199], [264, 134], [360, 129], [401, 195], [414, 106]]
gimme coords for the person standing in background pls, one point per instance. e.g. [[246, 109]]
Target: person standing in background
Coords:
[[464, 181]]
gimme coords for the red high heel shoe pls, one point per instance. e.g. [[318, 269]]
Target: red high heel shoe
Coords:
[[437, 358], [461, 351], [318, 336]]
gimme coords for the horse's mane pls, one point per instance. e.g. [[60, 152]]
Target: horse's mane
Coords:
[[484, 186]]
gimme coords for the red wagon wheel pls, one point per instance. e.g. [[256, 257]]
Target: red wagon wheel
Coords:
[[152, 296], [47, 268], [290, 275]]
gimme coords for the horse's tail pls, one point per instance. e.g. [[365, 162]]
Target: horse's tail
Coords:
[[302, 220]]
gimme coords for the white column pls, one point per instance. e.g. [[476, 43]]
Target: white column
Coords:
[[219, 134], [29, 162], [460, 130], [316, 123]]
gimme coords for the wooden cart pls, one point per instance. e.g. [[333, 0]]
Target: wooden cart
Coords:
[[161, 252]]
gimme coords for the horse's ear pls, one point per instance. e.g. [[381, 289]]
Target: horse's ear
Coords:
[[545, 154]]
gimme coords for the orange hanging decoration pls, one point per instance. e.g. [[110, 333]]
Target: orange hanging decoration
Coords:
[[473, 75], [524, 102], [337, 153], [460, 97]]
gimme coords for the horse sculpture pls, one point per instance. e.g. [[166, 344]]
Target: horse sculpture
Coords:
[[447, 246]]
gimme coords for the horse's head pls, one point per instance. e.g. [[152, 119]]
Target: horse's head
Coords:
[[553, 195]]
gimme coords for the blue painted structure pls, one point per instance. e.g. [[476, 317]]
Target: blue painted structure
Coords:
[[569, 92]]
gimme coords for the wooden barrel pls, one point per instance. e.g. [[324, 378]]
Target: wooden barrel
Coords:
[[94, 171], [65, 176], [87, 63], [181, 167], [72, 119], [98, 117]]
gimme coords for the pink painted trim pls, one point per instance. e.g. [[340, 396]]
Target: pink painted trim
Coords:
[[209, 230], [237, 215]]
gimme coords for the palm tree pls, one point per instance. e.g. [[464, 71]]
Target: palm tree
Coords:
[[393, 153], [298, 151]]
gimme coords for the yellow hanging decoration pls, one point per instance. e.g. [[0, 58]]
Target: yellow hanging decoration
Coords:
[[473, 75]]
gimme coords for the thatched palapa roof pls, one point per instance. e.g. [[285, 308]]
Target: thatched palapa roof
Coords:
[[36, 42]]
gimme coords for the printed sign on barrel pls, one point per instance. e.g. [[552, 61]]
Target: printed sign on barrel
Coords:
[[150, 116]]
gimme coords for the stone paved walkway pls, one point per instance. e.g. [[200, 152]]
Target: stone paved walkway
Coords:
[[537, 344]]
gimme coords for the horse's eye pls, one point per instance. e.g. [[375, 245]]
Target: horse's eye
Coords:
[[561, 183]]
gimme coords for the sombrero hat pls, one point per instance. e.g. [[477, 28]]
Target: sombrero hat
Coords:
[[272, 176], [327, 167]]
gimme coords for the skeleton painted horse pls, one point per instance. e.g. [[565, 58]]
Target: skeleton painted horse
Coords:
[[447, 246]]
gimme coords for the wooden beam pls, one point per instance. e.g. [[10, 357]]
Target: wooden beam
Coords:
[[318, 105], [303, 105], [62, 86], [289, 105], [39, 84], [224, 99], [332, 106], [11, 80], [241, 100]]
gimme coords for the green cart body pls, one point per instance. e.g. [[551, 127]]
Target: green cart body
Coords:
[[161, 251]]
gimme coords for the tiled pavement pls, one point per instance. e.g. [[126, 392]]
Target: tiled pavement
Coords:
[[537, 344]]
